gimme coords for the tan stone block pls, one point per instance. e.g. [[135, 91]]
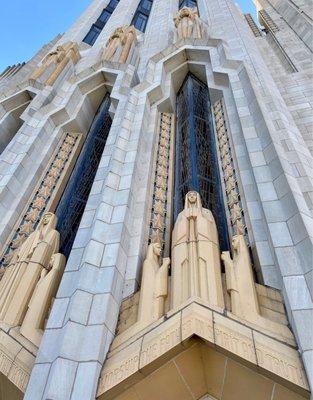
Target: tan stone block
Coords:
[[8, 345], [165, 383], [119, 367], [198, 320], [161, 340], [130, 394], [25, 359], [190, 366], [234, 337], [19, 376], [280, 359], [214, 364], [282, 393], [244, 384]]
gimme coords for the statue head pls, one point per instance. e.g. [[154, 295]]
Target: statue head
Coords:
[[239, 244], [157, 249], [185, 12], [154, 251], [193, 200], [49, 221]]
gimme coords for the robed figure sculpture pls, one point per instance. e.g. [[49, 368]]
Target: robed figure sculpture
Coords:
[[27, 268], [196, 269]]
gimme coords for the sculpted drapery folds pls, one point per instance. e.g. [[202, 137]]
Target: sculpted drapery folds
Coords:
[[119, 45], [188, 24], [196, 255], [56, 61], [153, 286], [32, 267], [241, 287]]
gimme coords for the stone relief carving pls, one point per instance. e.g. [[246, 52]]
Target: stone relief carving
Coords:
[[56, 61], [195, 255], [231, 184], [30, 281], [241, 287], [120, 45], [43, 195], [197, 306], [188, 24], [161, 182]]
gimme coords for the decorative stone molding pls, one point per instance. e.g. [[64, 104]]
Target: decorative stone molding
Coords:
[[130, 363], [46, 194], [188, 24], [160, 203], [253, 26], [120, 45], [267, 22], [232, 189], [55, 62]]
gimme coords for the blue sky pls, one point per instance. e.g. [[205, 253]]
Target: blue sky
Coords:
[[26, 25]]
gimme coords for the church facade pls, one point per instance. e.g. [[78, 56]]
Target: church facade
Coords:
[[156, 197]]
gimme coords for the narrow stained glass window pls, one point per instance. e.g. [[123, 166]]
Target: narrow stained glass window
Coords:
[[141, 16], [187, 3], [97, 27], [196, 155], [73, 201]]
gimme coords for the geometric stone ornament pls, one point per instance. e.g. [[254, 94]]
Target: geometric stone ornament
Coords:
[[46, 194], [231, 184], [128, 365], [160, 201], [55, 62]]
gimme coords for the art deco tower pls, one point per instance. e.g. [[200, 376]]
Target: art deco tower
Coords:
[[156, 175]]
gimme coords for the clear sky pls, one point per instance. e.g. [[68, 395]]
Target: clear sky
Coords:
[[26, 25]]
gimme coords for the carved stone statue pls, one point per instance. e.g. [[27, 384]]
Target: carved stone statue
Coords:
[[153, 286], [56, 62], [38, 307], [21, 276], [196, 270], [153, 292], [119, 45], [188, 24], [241, 287]]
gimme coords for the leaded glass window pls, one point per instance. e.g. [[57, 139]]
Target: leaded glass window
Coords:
[[187, 3], [73, 201], [141, 16], [97, 27], [196, 155]]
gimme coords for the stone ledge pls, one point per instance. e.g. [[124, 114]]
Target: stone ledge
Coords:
[[129, 364]]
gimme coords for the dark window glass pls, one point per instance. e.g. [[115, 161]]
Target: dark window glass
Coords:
[[141, 16], [73, 201], [187, 3], [112, 5], [196, 157], [92, 35], [97, 27], [140, 22], [105, 15]]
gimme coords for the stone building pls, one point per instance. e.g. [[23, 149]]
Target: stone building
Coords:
[[156, 172]]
